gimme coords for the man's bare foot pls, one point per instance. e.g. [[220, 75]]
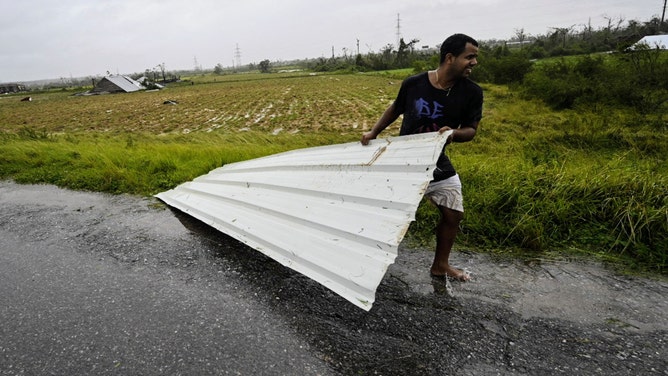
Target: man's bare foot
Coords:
[[454, 273]]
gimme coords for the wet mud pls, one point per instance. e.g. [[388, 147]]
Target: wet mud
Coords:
[[240, 312]]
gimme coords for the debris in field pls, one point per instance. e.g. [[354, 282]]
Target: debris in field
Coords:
[[172, 102]]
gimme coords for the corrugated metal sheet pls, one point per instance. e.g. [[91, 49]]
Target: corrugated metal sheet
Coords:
[[118, 83], [334, 213], [653, 41]]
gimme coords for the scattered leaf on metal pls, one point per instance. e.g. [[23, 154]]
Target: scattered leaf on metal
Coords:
[[334, 213]]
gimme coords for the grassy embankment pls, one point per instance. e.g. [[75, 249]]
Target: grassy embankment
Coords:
[[538, 180]]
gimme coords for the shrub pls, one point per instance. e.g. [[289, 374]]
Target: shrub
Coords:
[[509, 69], [635, 80]]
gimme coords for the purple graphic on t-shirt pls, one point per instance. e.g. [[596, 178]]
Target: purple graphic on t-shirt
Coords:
[[423, 109]]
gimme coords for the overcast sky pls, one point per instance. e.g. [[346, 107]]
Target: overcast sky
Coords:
[[42, 39]]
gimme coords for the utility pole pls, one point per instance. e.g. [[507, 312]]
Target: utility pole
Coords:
[[663, 15], [398, 31]]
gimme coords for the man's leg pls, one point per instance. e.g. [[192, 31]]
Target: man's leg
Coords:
[[446, 231]]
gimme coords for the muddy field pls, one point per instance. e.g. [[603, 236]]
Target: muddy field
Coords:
[[100, 284]]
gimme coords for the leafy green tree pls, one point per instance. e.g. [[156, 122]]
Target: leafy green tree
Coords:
[[265, 66]]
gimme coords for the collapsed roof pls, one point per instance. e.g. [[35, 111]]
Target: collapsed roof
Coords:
[[117, 84]]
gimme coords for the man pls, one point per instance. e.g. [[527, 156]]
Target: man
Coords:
[[441, 100]]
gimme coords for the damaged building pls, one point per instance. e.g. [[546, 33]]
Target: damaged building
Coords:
[[116, 84], [11, 88]]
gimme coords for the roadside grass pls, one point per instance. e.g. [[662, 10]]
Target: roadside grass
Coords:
[[537, 181], [578, 182], [142, 164]]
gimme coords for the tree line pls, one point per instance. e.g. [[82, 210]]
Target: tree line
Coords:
[[585, 68], [617, 35], [566, 67]]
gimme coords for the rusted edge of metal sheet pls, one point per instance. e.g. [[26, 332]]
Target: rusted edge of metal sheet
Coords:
[[334, 213]]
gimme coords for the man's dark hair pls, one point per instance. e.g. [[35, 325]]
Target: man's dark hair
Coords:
[[455, 44]]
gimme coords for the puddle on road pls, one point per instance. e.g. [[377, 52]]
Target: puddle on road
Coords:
[[582, 292]]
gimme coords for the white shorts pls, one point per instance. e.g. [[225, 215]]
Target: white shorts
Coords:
[[447, 193]]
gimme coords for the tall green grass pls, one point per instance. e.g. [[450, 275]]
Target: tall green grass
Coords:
[[141, 164], [538, 181]]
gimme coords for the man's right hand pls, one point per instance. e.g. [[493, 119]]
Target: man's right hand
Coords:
[[368, 136]]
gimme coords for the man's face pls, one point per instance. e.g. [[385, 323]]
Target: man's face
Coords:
[[464, 62]]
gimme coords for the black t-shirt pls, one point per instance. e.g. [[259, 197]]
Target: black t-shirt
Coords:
[[428, 109]]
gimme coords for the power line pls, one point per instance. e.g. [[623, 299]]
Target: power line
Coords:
[[237, 56]]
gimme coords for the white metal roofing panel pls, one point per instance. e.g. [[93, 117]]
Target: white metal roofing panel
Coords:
[[653, 41], [334, 213], [126, 83]]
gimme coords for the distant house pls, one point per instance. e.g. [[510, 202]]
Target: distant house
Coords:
[[652, 41], [117, 84], [11, 88]]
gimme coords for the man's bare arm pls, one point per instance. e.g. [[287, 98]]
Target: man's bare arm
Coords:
[[388, 117]]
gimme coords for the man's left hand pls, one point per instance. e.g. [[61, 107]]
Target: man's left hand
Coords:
[[450, 137]]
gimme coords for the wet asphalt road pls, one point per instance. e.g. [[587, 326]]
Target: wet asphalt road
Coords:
[[92, 284]]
